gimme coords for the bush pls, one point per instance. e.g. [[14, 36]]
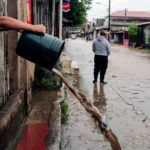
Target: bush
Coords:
[[133, 32], [46, 80]]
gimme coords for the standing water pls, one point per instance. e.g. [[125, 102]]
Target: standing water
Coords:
[[88, 105]]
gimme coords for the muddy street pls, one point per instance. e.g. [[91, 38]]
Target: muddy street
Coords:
[[124, 100]]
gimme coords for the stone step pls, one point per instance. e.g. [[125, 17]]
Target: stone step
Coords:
[[74, 68]]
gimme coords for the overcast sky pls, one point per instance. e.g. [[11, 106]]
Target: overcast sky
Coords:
[[100, 7]]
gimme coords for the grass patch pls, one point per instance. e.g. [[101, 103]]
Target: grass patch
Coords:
[[64, 111]]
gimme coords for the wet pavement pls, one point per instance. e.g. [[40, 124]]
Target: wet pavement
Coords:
[[81, 132], [125, 100]]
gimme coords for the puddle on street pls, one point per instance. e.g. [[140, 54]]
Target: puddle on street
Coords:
[[88, 105], [99, 98], [81, 131]]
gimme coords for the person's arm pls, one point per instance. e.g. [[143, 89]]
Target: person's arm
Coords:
[[108, 48], [14, 24], [93, 46]]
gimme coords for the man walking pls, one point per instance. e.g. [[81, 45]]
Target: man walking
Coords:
[[101, 48]]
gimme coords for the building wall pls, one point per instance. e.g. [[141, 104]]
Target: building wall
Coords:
[[100, 22], [116, 28], [147, 34], [2, 59], [122, 23], [22, 71], [42, 13], [12, 41], [15, 72]]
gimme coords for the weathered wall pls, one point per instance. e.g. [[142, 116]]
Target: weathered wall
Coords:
[[11, 117], [2, 60], [21, 71], [12, 40], [42, 13], [15, 73], [147, 33]]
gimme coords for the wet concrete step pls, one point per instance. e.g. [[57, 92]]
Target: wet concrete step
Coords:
[[33, 137], [34, 134]]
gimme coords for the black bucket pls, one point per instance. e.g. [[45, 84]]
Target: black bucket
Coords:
[[40, 49]]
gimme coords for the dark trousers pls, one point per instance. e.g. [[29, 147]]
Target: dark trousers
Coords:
[[100, 65]]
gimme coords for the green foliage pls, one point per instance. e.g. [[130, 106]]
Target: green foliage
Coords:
[[64, 111], [77, 14], [50, 84], [46, 80], [133, 31], [149, 38]]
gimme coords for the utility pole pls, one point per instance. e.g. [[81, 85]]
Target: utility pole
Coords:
[[53, 18], [109, 19], [109, 15], [60, 19], [125, 20]]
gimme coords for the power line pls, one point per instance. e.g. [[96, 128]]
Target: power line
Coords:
[[98, 13], [125, 3], [111, 8], [139, 2], [128, 3]]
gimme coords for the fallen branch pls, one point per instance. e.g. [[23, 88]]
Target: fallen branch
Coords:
[[88, 105]]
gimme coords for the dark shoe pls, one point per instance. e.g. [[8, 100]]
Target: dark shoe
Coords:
[[94, 81]]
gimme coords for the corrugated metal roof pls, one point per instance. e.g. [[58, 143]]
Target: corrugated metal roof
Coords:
[[131, 14], [144, 23]]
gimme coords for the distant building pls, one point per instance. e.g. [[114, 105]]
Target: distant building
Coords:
[[120, 20], [100, 22], [88, 30], [144, 34]]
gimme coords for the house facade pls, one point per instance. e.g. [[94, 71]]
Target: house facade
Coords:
[[92, 30], [120, 20], [144, 34]]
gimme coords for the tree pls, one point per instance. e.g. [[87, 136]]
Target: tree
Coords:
[[133, 32], [77, 14]]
